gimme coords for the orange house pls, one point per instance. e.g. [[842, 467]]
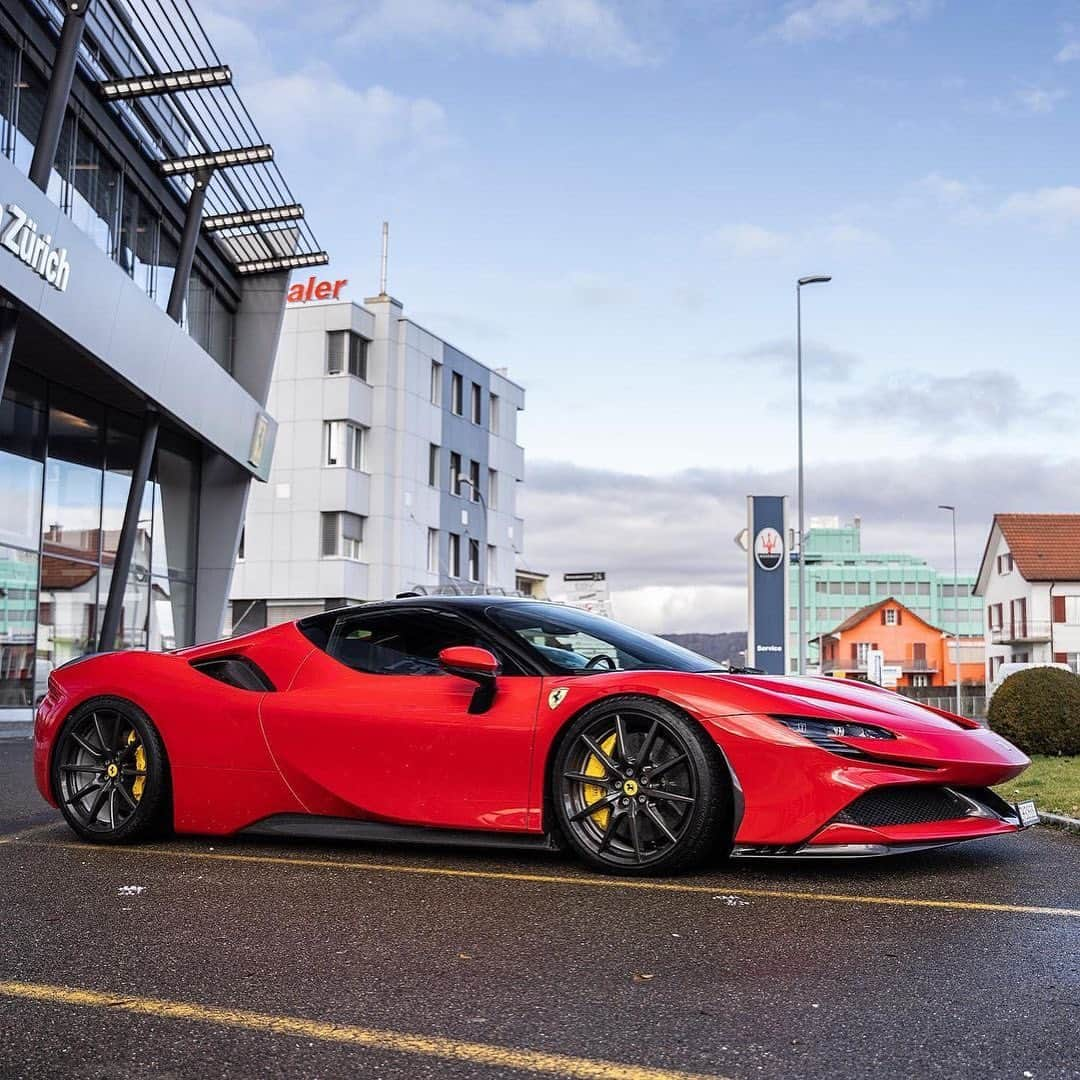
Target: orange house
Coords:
[[916, 653]]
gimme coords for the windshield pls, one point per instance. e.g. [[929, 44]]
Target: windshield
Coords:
[[571, 640]]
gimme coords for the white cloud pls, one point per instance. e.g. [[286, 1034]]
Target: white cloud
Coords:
[[752, 241], [314, 107], [676, 609], [816, 19], [594, 29], [1052, 208], [747, 241], [947, 406], [822, 360], [1038, 101], [1068, 52], [945, 189]]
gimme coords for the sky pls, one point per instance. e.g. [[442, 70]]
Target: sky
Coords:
[[614, 201]]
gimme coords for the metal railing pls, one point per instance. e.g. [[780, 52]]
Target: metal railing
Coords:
[[907, 666], [1017, 630]]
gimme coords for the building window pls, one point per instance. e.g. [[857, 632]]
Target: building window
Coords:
[[346, 352], [1066, 610], [891, 617], [433, 465], [1005, 563], [436, 382], [493, 413], [862, 653], [996, 616], [920, 680], [456, 392], [493, 490], [492, 564], [342, 535], [476, 406], [474, 481], [474, 560], [346, 445], [433, 551], [455, 555], [1018, 617], [240, 552], [455, 472]]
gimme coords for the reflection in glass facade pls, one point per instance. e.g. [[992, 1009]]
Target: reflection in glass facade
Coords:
[[65, 468], [105, 201]]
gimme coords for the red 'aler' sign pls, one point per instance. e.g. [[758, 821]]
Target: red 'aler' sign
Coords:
[[310, 290]]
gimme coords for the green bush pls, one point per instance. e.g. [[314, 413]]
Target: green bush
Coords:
[[1039, 710]]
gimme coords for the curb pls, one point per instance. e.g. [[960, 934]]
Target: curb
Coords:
[[1060, 821]]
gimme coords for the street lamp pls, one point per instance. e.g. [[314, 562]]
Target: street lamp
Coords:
[[813, 279], [956, 602]]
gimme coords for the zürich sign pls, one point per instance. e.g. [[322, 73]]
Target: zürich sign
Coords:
[[20, 237]]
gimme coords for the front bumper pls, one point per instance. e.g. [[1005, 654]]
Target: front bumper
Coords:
[[899, 819]]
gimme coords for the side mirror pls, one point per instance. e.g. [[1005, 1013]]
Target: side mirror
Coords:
[[477, 665]]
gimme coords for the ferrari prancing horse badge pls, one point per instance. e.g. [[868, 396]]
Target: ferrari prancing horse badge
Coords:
[[555, 698]]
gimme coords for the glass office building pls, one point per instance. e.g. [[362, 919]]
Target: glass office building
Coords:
[[96, 354]]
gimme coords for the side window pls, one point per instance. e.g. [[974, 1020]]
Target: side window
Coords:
[[398, 643]]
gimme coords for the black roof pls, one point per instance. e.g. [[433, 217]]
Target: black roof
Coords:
[[447, 603]]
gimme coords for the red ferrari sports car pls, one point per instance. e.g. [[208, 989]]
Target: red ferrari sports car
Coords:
[[507, 722]]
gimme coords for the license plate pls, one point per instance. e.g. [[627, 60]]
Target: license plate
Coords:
[[1027, 813]]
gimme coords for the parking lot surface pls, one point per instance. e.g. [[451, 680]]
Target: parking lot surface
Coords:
[[203, 957]]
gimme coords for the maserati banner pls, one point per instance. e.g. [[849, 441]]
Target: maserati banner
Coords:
[[767, 581]]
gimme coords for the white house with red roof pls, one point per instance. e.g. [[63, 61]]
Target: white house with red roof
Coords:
[[1029, 580]]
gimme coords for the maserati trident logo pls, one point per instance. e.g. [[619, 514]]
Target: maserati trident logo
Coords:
[[768, 548], [555, 698]]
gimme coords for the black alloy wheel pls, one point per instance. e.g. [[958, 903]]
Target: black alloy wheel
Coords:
[[109, 773], [638, 788]]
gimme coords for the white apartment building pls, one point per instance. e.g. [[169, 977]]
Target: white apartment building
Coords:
[[1029, 580], [395, 468]]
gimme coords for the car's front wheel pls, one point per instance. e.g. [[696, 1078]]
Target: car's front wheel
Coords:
[[638, 788], [109, 773]]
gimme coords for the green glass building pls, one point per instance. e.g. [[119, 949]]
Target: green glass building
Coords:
[[841, 578]]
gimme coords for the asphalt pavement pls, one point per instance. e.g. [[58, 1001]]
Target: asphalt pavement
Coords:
[[201, 958]]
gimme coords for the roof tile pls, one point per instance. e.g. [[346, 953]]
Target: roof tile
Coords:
[[1044, 547]]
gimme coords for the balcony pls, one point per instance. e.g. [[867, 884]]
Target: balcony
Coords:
[[855, 667], [1020, 632]]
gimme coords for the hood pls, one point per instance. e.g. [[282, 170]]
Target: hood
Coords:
[[821, 697]]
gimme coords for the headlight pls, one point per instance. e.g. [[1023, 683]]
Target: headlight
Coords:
[[824, 733]]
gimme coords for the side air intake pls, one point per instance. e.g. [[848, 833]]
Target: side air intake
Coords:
[[236, 671]]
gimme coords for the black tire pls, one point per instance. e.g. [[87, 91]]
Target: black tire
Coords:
[[638, 788], [110, 774]]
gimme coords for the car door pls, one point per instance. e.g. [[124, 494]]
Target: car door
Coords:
[[372, 727]]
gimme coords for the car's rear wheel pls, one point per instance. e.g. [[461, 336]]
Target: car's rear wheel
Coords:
[[638, 788], [109, 773]]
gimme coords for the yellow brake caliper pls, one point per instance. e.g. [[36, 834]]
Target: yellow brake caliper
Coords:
[[140, 766], [595, 767]]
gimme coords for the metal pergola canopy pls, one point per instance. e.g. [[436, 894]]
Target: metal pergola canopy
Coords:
[[157, 68]]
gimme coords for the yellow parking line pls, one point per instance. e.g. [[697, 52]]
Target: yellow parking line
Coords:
[[399, 1042], [17, 834], [724, 888]]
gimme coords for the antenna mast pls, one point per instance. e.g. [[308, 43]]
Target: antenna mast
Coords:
[[385, 257]]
